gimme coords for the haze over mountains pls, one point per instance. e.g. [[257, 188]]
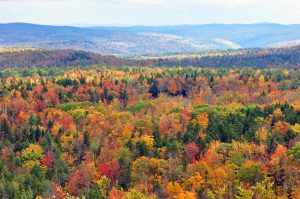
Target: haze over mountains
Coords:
[[140, 40]]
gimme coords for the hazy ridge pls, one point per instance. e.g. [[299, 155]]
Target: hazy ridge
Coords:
[[141, 40]]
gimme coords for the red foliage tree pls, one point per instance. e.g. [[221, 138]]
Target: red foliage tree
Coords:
[[192, 150], [112, 170], [47, 160]]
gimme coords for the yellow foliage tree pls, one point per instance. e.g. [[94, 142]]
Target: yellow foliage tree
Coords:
[[148, 139], [203, 120], [277, 113], [194, 183], [31, 156], [296, 129], [261, 79], [177, 192], [262, 134]]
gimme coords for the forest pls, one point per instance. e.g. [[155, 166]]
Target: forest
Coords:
[[19, 57], [149, 133], [287, 57]]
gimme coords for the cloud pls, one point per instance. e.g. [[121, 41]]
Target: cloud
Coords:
[[149, 12], [145, 1]]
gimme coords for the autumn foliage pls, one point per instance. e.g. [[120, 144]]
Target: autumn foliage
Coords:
[[137, 132]]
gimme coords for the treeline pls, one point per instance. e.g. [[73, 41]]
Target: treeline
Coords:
[[62, 58], [258, 58]]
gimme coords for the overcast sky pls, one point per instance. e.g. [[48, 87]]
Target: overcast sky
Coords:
[[149, 12]]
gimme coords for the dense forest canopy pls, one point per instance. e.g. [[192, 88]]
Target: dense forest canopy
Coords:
[[143, 132]]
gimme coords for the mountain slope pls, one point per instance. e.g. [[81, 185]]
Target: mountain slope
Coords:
[[104, 40]]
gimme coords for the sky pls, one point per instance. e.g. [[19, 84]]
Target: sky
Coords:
[[149, 12]]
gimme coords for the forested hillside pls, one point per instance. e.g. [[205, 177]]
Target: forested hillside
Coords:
[[139, 132], [259, 58], [62, 58]]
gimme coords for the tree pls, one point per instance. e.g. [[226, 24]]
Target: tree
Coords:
[[261, 79], [203, 120], [135, 194], [296, 129], [172, 87], [47, 161], [123, 96], [244, 194], [250, 172], [31, 156], [112, 170], [192, 150], [294, 152], [194, 183], [154, 89], [81, 180], [218, 177], [264, 190], [4, 126], [60, 169], [147, 170], [104, 185], [174, 189], [281, 127]]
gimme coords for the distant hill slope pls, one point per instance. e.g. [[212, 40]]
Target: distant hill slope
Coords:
[[288, 57], [140, 40], [62, 58], [260, 58]]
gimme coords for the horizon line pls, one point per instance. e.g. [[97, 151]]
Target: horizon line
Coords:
[[79, 25]]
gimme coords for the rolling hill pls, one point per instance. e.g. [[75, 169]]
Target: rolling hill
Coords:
[[288, 57]]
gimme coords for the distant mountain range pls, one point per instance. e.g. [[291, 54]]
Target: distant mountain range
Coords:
[[151, 40]]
